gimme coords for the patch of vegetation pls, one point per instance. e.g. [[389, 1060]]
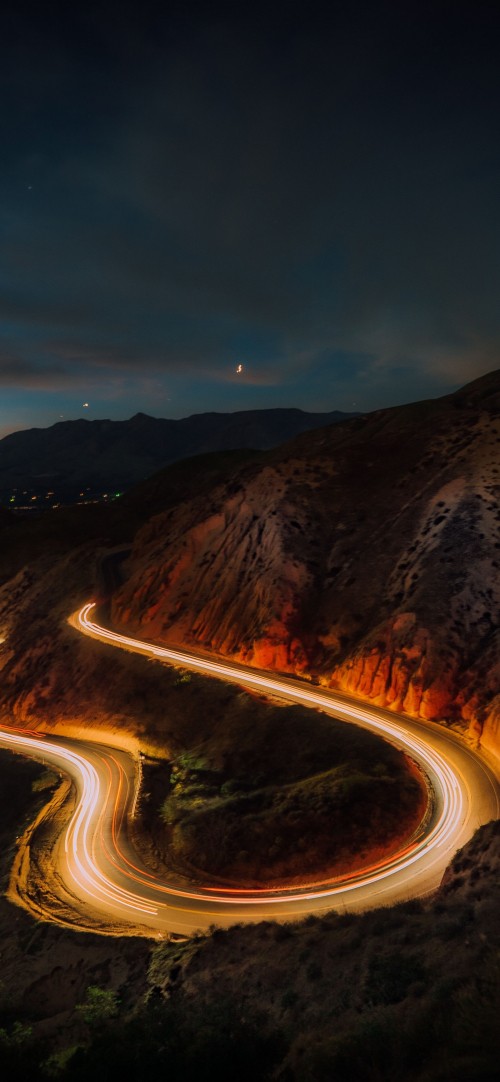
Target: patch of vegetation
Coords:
[[390, 976], [48, 780], [299, 828], [100, 1005], [224, 1041], [266, 794]]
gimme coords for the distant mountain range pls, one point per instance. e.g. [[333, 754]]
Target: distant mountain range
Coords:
[[93, 457]]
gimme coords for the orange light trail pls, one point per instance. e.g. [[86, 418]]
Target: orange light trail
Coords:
[[96, 858]]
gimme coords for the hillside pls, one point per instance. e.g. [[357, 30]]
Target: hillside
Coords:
[[365, 553], [78, 458], [237, 558], [218, 796], [406, 993], [361, 554]]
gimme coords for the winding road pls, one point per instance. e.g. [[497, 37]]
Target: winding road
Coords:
[[97, 867]]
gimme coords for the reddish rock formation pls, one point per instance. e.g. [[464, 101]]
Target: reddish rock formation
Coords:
[[366, 553]]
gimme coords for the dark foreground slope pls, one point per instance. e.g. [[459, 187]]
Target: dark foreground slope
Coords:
[[366, 552], [410, 993]]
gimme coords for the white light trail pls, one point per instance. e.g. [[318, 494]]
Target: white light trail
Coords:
[[76, 844], [98, 865], [445, 783]]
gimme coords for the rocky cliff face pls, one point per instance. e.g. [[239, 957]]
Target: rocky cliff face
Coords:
[[366, 553]]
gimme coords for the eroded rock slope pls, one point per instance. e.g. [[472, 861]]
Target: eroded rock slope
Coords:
[[366, 553]]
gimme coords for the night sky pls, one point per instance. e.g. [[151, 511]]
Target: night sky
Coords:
[[181, 193]]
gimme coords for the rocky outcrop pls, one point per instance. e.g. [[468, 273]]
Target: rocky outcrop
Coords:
[[365, 553]]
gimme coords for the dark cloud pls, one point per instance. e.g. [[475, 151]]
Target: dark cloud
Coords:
[[17, 372], [318, 197]]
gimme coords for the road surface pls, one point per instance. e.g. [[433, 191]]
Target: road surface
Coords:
[[99, 868]]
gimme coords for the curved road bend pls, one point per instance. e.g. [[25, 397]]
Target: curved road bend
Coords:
[[98, 865]]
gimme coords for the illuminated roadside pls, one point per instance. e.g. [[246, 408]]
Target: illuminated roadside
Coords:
[[98, 865]]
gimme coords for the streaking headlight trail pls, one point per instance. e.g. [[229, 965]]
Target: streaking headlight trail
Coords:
[[101, 869]]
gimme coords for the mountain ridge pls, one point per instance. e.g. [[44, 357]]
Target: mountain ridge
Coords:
[[73, 457]]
